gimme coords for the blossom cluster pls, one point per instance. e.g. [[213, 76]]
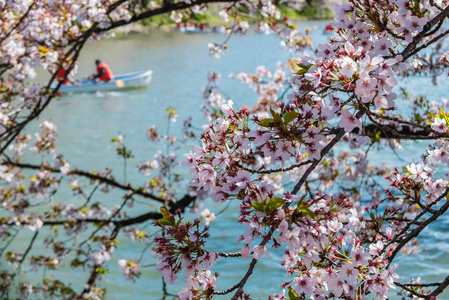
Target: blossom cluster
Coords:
[[334, 247], [182, 248]]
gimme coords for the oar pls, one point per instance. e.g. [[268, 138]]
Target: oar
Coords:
[[120, 83]]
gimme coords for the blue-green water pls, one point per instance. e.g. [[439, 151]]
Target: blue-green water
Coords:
[[180, 63]]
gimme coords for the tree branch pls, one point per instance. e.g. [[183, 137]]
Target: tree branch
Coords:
[[405, 287], [181, 205], [411, 46], [159, 11], [11, 133], [440, 288], [391, 133], [18, 23], [270, 171], [415, 232], [111, 182], [29, 247], [428, 43]]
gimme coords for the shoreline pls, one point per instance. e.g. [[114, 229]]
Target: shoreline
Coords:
[[163, 23]]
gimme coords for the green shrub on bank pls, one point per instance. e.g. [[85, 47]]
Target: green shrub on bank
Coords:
[[312, 11]]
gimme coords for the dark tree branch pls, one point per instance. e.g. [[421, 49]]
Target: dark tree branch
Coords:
[[158, 11], [101, 179], [408, 289], [415, 232], [18, 23], [426, 129], [392, 133], [225, 292], [181, 205], [436, 29], [410, 135], [10, 134], [428, 43], [225, 254], [106, 222], [411, 46], [315, 163], [440, 288], [270, 171], [29, 247], [242, 282], [419, 284], [95, 272]]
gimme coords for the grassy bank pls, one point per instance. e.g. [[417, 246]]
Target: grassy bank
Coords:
[[313, 11], [211, 18]]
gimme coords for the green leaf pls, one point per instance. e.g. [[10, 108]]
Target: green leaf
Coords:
[[259, 206], [166, 222], [418, 118], [266, 122], [179, 222], [43, 49], [275, 203], [302, 204], [406, 95], [302, 199], [304, 208], [443, 116], [303, 69], [101, 270], [292, 295], [416, 6], [276, 116], [290, 116], [165, 212], [308, 212], [290, 25], [304, 66]]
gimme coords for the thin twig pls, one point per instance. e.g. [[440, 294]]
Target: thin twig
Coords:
[[415, 232], [105, 180], [411, 46]]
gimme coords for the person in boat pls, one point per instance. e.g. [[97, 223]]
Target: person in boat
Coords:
[[104, 73], [187, 26], [68, 80], [329, 28]]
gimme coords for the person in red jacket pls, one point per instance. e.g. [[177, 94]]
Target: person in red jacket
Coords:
[[104, 73], [60, 76], [68, 80]]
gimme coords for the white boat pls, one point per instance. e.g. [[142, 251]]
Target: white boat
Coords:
[[121, 82], [200, 31], [195, 30]]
